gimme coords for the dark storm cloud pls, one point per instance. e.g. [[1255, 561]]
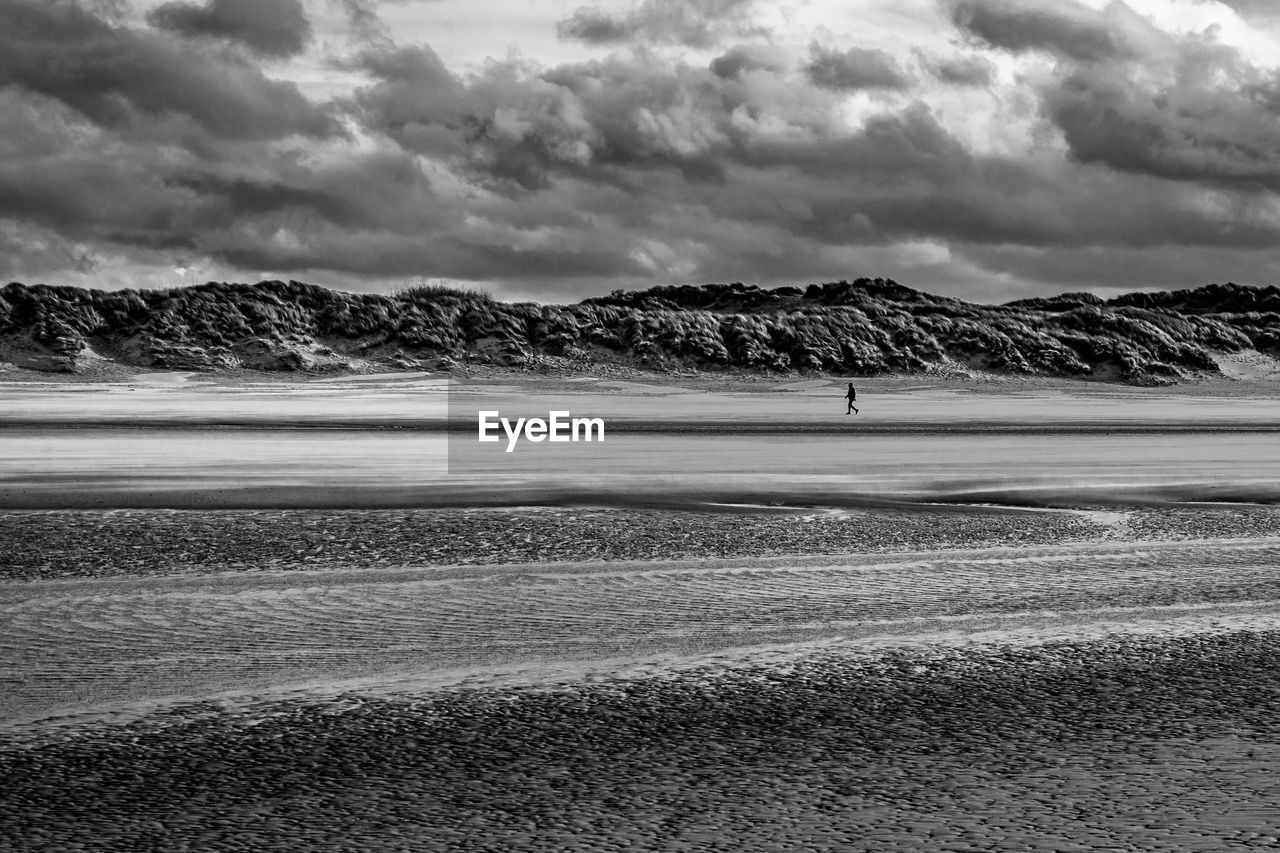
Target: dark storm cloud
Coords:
[[90, 191], [1227, 134], [634, 168], [1121, 269], [103, 125], [597, 120], [855, 68], [961, 70], [268, 27], [749, 57], [381, 191], [904, 177], [695, 23], [1135, 99], [675, 137], [254, 206], [121, 77], [417, 101], [271, 204], [889, 146], [1063, 27]]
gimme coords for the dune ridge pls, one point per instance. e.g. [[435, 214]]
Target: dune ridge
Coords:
[[865, 327]]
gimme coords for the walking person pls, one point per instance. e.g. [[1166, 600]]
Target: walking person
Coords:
[[852, 396]]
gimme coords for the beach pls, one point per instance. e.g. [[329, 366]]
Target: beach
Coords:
[[1045, 621], [639, 426]]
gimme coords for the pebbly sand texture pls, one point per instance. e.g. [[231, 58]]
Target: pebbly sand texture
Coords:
[[1137, 744], [124, 543], [127, 542]]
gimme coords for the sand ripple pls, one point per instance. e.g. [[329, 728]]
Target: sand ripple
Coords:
[[91, 644]]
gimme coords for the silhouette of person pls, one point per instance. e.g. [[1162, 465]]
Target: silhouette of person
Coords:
[[852, 397]]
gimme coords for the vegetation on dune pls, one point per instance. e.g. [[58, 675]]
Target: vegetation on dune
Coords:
[[864, 327]]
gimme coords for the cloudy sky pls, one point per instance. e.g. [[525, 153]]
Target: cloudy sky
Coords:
[[987, 149]]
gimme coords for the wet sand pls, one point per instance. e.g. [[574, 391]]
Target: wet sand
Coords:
[[1078, 679], [842, 669], [1141, 744], [58, 545], [87, 646]]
